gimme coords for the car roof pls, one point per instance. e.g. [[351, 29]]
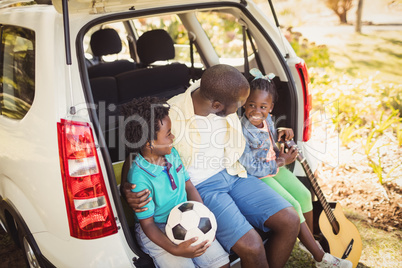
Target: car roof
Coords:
[[101, 6]]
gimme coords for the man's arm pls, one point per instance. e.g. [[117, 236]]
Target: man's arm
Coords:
[[136, 201], [192, 193]]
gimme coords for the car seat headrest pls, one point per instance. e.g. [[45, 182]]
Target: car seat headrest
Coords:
[[155, 45], [105, 42]]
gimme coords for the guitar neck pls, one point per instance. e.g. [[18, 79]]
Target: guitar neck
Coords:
[[317, 190]]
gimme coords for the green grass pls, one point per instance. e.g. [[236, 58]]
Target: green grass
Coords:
[[378, 53], [372, 84], [380, 248]]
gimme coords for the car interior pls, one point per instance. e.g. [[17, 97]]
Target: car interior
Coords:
[[161, 56]]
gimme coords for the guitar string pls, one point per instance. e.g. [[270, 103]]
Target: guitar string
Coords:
[[319, 193], [317, 189]]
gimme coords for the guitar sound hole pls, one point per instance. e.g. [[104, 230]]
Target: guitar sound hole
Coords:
[[335, 227]]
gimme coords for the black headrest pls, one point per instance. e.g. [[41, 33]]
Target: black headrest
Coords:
[[105, 42], [155, 45]]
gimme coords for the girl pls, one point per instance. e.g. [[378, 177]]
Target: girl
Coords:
[[263, 159]]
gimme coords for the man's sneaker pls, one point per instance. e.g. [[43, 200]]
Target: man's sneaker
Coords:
[[329, 261]]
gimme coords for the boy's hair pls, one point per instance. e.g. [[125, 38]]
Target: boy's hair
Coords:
[[266, 85], [222, 83], [142, 117]]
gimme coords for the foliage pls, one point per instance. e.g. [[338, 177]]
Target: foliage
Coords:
[[378, 129], [398, 131], [340, 7], [314, 55], [225, 33], [392, 96], [363, 108], [223, 29]]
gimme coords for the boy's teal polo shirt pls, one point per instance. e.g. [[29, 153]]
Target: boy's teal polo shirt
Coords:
[[166, 191]]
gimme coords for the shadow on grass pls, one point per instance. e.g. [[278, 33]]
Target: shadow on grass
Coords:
[[390, 52], [394, 41]]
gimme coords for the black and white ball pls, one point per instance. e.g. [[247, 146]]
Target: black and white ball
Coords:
[[191, 219]]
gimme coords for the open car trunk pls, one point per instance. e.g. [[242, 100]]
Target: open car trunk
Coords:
[[115, 69]]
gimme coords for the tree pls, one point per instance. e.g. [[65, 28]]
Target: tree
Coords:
[[358, 26], [340, 7]]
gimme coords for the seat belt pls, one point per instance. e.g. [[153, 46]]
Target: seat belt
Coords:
[[192, 37], [246, 63], [255, 51], [133, 51]]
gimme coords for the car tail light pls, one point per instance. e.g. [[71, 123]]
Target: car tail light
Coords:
[[305, 81], [89, 212]]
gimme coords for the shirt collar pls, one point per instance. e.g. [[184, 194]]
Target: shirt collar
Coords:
[[250, 128], [188, 109], [149, 168]]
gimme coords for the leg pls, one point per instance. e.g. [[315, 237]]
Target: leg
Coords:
[[307, 238], [295, 187], [285, 226], [277, 187], [251, 251], [234, 231], [161, 257], [305, 235], [308, 216], [267, 210], [214, 256]]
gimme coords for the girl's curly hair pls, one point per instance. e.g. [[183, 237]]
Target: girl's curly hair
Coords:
[[141, 118], [266, 85]]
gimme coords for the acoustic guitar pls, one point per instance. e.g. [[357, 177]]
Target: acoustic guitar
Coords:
[[342, 236]]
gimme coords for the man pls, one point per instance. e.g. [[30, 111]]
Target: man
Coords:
[[209, 140]]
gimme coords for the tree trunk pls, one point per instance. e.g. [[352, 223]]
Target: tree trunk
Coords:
[[342, 17], [358, 26]]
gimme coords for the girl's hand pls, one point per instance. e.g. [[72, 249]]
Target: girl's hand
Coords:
[[185, 249], [286, 158], [287, 134]]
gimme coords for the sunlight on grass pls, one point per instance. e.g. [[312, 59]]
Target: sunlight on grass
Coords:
[[380, 248], [367, 54]]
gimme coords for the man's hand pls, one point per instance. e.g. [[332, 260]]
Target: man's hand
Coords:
[[286, 133], [136, 201]]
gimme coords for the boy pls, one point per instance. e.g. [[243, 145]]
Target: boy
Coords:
[[158, 167]]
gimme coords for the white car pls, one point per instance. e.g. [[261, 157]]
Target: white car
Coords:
[[63, 76]]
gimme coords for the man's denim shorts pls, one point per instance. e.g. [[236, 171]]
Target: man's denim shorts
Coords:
[[214, 256], [239, 204]]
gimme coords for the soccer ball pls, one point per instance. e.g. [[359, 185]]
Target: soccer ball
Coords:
[[191, 219]]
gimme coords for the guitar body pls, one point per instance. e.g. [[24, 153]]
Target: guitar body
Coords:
[[347, 241], [337, 234]]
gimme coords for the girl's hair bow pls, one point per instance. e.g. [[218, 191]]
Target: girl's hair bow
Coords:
[[258, 75]]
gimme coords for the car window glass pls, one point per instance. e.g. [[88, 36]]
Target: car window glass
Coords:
[[226, 36], [173, 25], [17, 71]]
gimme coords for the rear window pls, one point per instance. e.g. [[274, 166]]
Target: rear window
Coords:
[[226, 35], [17, 71]]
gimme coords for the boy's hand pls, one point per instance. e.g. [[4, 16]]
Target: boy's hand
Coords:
[[287, 134], [136, 201], [185, 249], [288, 157]]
